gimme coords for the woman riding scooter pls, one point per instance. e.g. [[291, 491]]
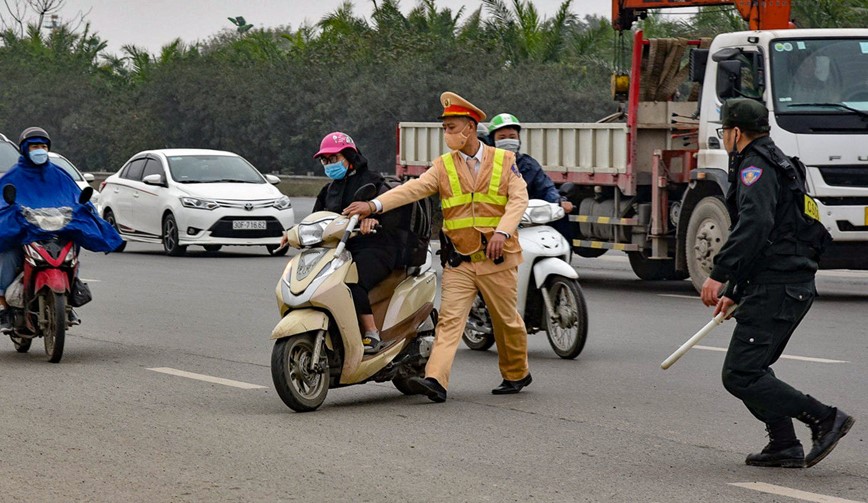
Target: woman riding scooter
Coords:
[[377, 253]]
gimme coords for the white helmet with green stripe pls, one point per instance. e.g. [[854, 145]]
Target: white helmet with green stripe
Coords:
[[503, 120]]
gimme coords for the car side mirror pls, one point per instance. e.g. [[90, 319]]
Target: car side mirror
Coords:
[[366, 192], [86, 194], [9, 193], [273, 180], [88, 177], [154, 180]]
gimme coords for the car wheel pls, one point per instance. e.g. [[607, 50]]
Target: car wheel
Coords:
[[170, 237], [109, 217]]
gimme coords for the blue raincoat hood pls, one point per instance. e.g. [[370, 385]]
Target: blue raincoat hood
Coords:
[[48, 186]]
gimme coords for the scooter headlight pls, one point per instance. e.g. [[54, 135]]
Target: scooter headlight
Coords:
[[541, 212], [311, 234]]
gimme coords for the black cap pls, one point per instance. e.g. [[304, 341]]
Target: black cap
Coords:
[[745, 113]]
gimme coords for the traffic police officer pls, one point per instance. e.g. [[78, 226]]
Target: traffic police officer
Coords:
[[483, 197], [768, 263]]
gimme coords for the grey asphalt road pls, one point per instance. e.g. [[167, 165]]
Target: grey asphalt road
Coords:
[[608, 426]]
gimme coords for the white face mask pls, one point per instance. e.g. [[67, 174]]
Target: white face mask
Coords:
[[508, 144]]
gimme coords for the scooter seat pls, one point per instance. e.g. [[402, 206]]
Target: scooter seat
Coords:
[[386, 288]]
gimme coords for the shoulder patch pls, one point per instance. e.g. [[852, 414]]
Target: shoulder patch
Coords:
[[750, 175], [515, 170]]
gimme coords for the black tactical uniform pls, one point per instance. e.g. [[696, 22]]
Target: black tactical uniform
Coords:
[[769, 262]]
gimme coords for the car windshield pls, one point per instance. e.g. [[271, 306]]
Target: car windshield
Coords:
[[212, 169], [813, 75], [8, 156], [67, 166]]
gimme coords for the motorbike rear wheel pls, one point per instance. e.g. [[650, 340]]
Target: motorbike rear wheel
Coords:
[[478, 340], [300, 388], [22, 344], [568, 331], [53, 306]]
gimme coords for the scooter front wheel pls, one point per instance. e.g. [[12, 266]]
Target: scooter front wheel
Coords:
[[301, 388], [567, 330], [53, 306]]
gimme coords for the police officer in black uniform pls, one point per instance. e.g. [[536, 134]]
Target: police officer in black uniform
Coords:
[[767, 267]]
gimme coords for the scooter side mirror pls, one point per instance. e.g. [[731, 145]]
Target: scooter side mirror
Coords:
[[9, 193], [86, 194], [366, 192], [567, 188]]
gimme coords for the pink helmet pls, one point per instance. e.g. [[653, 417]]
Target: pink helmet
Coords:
[[334, 142]]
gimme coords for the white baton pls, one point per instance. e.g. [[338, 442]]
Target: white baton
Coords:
[[717, 320]]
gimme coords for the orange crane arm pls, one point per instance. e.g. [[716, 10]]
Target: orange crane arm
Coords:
[[761, 14]]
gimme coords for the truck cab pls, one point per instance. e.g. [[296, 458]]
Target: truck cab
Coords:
[[815, 84]]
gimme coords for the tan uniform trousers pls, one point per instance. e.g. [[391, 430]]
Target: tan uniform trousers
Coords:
[[500, 291]]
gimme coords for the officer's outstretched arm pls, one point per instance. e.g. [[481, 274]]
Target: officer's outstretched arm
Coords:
[[516, 202], [426, 185]]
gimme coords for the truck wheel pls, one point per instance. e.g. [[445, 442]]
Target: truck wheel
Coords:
[[653, 270], [707, 231]]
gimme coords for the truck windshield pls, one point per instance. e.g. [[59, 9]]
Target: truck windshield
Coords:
[[816, 76]]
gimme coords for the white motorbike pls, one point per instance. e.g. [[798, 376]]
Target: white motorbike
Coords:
[[549, 295]]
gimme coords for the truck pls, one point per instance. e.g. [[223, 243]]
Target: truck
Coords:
[[652, 183]]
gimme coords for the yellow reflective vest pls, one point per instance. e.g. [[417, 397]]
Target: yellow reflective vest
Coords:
[[473, 206]]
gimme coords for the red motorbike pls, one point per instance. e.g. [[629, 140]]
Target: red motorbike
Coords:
[[48, 286]]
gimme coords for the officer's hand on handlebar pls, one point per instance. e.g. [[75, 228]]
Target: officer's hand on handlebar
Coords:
[[369, 226], [495, 246], [360, 208]]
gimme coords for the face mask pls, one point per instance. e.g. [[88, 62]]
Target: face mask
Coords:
[[508, 144], [38, 156], [456, 141], [335, 171]]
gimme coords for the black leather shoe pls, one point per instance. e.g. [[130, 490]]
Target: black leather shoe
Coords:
[[428, 387], [776, 455], [826, 436], [510, 387]]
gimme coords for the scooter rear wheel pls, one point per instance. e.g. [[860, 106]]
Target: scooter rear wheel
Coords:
[[568, 332], [300, 388], [22, 344], [478, 340]]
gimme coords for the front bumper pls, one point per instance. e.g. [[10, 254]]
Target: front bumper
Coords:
[[215, 227]]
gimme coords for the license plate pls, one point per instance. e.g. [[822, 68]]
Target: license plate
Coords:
[[248, 225]]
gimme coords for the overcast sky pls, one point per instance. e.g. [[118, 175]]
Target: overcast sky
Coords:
[[153, 23]]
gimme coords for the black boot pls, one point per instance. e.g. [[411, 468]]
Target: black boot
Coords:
[[825, 433], [783, 450]]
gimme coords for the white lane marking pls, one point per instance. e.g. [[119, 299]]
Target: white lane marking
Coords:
[[788, 357], [678, 296], [203, 377], [90, 280], [791, 493]]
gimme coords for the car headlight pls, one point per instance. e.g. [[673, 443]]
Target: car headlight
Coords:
[[311, 234], [283, 203], [200, 204]]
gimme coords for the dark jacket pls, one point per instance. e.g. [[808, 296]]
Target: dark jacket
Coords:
[[338, 194], [539, 185], [759, 207]]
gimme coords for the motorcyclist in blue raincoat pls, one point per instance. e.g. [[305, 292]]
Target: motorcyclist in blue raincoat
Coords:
[[40, 184]]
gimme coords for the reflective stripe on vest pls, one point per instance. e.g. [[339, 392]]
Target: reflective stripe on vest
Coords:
[[458, 197]]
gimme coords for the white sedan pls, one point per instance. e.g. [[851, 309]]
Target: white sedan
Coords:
[[81, 179], [182, 197]]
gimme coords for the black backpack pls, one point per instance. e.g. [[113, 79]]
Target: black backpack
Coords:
[[415, 227], [810, 237]]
